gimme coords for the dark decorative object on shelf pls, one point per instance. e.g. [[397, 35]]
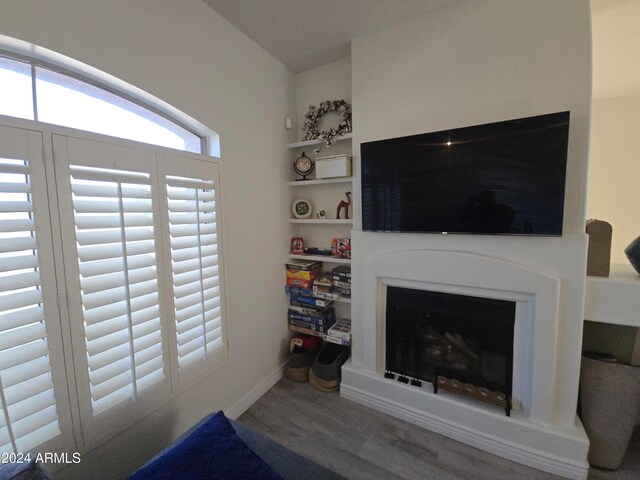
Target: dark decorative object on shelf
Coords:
[[599, 252], [303, 166], [327, 136], [344, 205], [317, 251], [633, 254]]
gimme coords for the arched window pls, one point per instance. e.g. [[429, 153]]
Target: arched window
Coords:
[[128, 230], [34, 92]]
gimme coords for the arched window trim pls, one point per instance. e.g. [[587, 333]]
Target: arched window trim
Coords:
[[38, 56]]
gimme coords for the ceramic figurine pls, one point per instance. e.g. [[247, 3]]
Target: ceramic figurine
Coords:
[[344, 205]]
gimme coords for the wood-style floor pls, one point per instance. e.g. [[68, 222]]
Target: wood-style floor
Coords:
[[360, 443]]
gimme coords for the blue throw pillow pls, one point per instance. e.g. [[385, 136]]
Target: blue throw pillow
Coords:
[[212, 451]]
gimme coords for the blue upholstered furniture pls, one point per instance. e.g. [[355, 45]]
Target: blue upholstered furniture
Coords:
[[24, 471], [215, 448], [219, 448]]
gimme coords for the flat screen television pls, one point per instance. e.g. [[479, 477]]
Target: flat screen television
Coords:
[[505, 178]]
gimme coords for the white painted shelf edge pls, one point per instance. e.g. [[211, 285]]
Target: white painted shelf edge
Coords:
[[614, 299], [343, 300], [331, 221], [322, 181], [322, 258], [311, 143]]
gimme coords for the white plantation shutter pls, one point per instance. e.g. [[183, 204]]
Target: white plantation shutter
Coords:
[[114, 288], [29, 416], [194, 239], [141, 234], [113, 215], [194, 259]]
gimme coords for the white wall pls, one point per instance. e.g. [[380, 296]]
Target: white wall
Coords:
[[478, 62], [184, 53], [614, 169], [472, 63], [328, 82]]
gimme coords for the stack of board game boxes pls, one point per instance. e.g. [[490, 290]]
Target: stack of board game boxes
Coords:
[[340, 333], [341, 280], [312, 293], [333, 285], [307, 313]]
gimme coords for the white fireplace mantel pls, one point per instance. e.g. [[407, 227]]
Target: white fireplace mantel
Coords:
[[543, 431]]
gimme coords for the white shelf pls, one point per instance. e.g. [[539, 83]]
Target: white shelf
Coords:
[[614, 299], [322, 222], [324, 191], [322, 181], [312, 143], [322, 258]]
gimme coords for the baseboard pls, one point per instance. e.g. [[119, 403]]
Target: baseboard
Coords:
[[252, 397], [517, 453]]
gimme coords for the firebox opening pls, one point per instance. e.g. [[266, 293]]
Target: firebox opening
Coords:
[[458, 343]]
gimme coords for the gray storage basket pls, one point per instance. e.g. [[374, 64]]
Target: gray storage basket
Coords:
[[610, 404]]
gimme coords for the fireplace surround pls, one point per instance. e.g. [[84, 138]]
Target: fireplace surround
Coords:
[[543, 280]]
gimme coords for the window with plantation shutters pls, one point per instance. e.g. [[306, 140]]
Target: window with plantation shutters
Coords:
[[104, 305], [144, 279], [195, 268], [28, 416], [114, 224]]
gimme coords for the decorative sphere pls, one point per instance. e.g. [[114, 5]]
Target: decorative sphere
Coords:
[[633, 254]]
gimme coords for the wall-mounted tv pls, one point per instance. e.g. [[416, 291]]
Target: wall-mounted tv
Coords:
[[504, 178]]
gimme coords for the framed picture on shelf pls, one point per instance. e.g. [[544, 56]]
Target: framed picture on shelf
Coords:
[[344, 248], [297, 246]]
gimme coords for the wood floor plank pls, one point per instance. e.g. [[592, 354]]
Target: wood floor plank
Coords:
[[363, 444]]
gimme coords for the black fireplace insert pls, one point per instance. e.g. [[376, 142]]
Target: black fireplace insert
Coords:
[[457, 342]]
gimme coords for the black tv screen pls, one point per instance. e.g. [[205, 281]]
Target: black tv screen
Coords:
[[503, 178]]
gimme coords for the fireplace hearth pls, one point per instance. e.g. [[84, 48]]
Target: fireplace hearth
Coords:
[[463, 344], [539, 278]]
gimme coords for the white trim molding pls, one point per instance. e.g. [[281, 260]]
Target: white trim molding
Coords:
[[557, 453], [254, 395]]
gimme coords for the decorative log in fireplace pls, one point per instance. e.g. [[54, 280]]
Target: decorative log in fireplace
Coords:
[[459, 343]]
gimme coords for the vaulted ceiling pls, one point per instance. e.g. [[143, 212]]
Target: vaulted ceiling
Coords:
[[304, 34]]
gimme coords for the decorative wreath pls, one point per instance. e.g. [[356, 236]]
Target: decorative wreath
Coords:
[[314, 114]]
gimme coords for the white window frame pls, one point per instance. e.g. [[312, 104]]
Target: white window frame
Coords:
[[19, 50], [39, 71]]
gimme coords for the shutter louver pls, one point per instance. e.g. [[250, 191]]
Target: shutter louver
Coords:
[[194, 262], [114, 220], [28, 415]]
